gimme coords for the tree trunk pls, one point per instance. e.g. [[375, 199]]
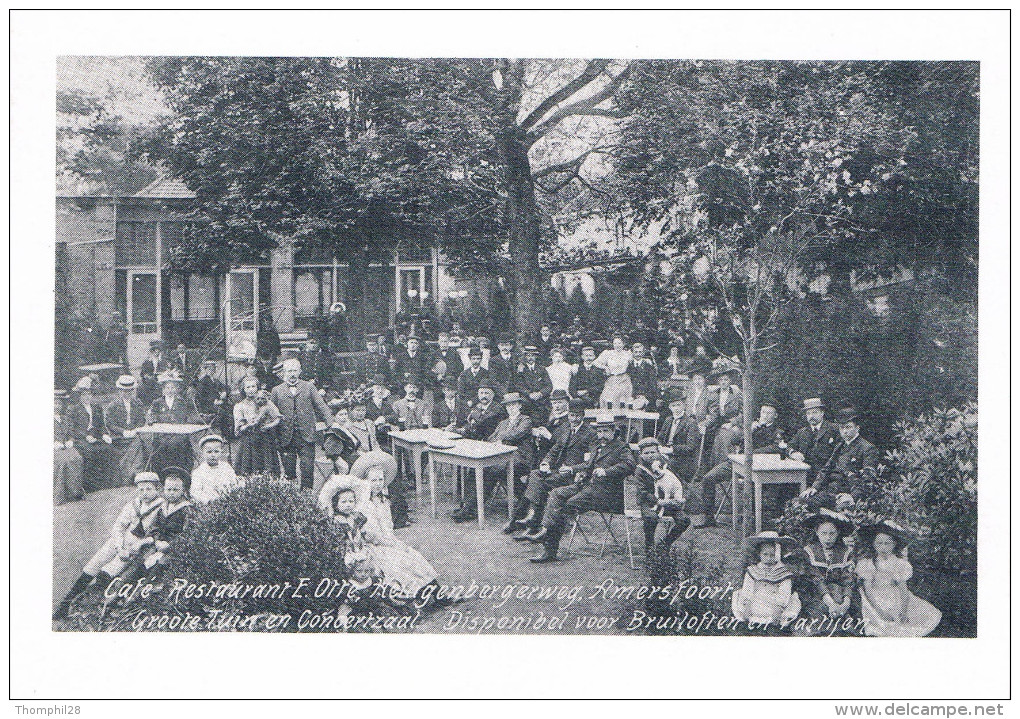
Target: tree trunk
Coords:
[[750, 392], [522, 214], [357, 321]]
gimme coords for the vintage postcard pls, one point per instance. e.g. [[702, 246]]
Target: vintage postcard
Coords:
[[615, 346]]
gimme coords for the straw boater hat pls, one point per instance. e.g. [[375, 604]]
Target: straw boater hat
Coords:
[[141, 477], [813, 403], [376, 458], [837, 519], [754, 542], [604, 420], [512, 397], [126, 381], [335, 485]]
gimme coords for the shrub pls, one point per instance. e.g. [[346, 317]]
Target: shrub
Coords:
[[265, 532]]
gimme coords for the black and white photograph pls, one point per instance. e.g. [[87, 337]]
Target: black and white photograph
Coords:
[[658, 349]]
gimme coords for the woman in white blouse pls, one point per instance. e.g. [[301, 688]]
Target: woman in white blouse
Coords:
[[618, 390], [560, 371]]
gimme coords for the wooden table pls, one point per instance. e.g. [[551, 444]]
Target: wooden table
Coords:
[[766, 469], [415, 441], [476, 455]]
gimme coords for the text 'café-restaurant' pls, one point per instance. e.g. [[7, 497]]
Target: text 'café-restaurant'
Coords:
[[110, 249]]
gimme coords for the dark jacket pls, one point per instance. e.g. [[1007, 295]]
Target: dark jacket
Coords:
[[502, 371], [299, 411], [80, 424], [371, 364], [442, 416], [570, 447], [733, 409], [615, 458], [316, 367], [818, 446], [685, 442], [516, 434], [645, 380], [528, 380], [587, 383], [116, 419], [482, 423], [467, 385], [850, 463], [451, 358], [373, 411], [408, 368]]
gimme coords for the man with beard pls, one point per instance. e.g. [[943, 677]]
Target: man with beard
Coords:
[[549, 433], [300, 404], [814, 443], [598, 485], [557, 468]]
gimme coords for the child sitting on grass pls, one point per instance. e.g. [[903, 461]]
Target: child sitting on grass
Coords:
[[128, 538], [766, 598]]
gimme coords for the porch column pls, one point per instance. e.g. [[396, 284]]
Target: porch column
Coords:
[[282, 287]]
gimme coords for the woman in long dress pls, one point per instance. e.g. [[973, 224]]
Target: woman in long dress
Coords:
[[888, 607], [67, 463], [618, 390], [404, 570], [255, 418]]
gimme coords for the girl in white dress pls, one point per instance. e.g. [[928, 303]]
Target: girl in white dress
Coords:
[[888, 607]]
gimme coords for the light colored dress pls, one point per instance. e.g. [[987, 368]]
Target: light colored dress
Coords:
[[618, 390], [884, 580], [767, 596], [560, 374], [403, 568]]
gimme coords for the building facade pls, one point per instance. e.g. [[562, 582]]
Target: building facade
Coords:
[[111, 258]]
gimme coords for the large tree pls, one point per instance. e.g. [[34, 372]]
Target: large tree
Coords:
[[358, 154]]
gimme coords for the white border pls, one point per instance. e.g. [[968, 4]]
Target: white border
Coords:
[[57, 665]]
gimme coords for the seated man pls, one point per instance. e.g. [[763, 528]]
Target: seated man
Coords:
[[853, 463], [410, 409], [448, 411], [126, 539], [598, 485], [515, 430], [557, 468], [548, 434], [681, 433], [658, 494], [485, 416], [765, 438]]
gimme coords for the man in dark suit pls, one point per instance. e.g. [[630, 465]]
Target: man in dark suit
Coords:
[[449, 355], [555, 425], [556, 469], [503, 364], [186, 363], [644, 378], [379, 404], [315, 365], [412, 365], [122, 417], [373, 363], [815, 443], [533, 383], [514, 430], [598, 485], [153, 366], [588, 381], [681, 433], [545, 342], [471, 378], [853, 463], [448, 412], [485, 416], [88, 431], [300, 404]]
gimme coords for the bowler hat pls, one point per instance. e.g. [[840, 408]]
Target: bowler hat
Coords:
[[558, 394], [449, 383], [126, 381], [475, 351], [577, 406], [504, 338], [487, 384], [845, 416]]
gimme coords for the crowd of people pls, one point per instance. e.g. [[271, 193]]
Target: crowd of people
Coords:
[[561, 399]]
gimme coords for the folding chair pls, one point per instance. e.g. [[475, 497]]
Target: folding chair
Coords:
[[722, 501], [630, 511]]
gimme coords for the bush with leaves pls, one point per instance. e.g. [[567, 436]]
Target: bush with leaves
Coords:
[[264, 532]]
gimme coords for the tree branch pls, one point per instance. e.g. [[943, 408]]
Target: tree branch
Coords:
[[592, 70], [581, 107]]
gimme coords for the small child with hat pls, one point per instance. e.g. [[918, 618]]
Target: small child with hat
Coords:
[[128, 536], [767, 599], [214, 475]]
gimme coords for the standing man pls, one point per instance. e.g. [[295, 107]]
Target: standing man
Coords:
[[315, 365], [185, 363], [449, 356], [472, 378], [373, 363], [533, 383], [598, 484], [411, 364], [503, 365], [815, 443], [644, 378], [123, 417], [588, 381], [300, 404], [545, 342]]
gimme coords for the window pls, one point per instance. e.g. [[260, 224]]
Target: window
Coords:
[[313, 292], [135, 244], [201, 297]]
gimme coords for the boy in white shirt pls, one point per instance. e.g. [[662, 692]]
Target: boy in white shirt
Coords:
[[215, 475]]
